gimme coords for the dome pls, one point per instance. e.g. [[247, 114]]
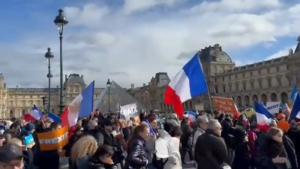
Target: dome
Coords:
[[75, 78], [214, 54]]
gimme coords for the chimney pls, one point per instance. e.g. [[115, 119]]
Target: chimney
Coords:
[[144, 84], [132, 86], [57, 86], [81, 76], [66, 77]]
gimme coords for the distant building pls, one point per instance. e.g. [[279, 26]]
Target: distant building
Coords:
[[152, 95], [15, 102], [269, 80]]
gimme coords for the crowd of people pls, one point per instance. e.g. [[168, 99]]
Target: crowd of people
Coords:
[[220, 141]]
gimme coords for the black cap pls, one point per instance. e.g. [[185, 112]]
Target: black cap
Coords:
[[107, 122], [10, 152]]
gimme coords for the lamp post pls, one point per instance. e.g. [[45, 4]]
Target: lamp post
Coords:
[[108, 85], [49, 55], [60, 21]]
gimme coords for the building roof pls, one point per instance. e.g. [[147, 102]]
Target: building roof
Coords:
[[75, 78], [41, 90], [214, 54]]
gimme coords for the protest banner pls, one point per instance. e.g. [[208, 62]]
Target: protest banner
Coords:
[[29, 141], [53, 140], [225, 104], [273, 107], [128, 111]]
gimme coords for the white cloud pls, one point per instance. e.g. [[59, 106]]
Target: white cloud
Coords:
[[138, 5], [100, 38], [283, 52]]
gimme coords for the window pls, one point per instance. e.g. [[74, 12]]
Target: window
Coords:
[[216, 89], [277, 68], [244, 86], [252, 84], [269, 82], [224, 89], [260, 83], [259, 72], [237, 87], [230, 87]]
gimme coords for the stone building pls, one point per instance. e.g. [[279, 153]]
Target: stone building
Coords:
[[152, 95], [269, 80], [14, 102]]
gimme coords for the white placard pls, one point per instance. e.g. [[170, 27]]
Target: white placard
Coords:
[[273, 107], [129, 110]]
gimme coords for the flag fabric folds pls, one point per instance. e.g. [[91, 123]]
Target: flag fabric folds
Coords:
[[188, 83], [81, 106], [294, 93], [263, 116], [191, 115], [33, 115], [296, 108], [54, 117]]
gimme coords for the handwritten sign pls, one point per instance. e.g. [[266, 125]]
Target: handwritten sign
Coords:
[[29, 141], [53, 140], [129, 110], [225, 104]]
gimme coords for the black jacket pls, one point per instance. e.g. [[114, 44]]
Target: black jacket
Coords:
[[290, 151], [136, 157], [108, 138], [210, 151], [93, 163], [97, 135]]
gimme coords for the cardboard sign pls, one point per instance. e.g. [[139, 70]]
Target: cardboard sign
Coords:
[[29, 141], [225, 104], [53, 140]]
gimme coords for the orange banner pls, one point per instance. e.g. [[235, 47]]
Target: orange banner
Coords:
[[53, 140], [225, 104]]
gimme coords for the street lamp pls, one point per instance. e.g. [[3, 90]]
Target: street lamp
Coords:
[[108, 85], [60, 21], [49, 55]]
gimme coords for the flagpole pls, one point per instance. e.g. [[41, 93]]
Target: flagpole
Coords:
[[208, 91], [119, 109]]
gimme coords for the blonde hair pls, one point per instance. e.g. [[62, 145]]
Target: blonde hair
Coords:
[[15, 141], [86, 145]]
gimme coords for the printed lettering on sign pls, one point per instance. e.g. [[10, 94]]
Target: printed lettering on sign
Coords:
[[53, 140], [224, 104], [29, 141], [273, 107]]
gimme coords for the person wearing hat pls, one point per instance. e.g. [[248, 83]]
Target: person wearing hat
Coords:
[[11, 156], [105, 131]]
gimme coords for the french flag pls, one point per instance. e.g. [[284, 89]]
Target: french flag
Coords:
[[294, 93], [33, 115], [81, 106], [189, 82], [263, 116], [191, 115]]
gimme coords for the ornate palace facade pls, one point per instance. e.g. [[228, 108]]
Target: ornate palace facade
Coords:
[[14, 102], [269, 80]]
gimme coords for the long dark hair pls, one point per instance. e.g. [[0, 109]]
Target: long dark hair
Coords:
[[137, 130]]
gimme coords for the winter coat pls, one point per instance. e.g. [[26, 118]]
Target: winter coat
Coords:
[[210, 151], [136, 154]]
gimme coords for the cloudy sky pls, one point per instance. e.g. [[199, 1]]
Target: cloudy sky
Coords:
[[129, 41]]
